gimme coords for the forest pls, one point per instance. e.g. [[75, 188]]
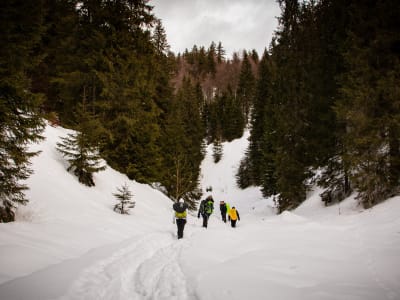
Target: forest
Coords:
[[322, 102]]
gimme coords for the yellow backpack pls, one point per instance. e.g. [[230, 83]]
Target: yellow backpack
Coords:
[[233, 214], [180, 215]]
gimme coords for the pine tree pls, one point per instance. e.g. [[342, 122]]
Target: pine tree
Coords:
[[81, 148], [124, 196], [291, 113], [217, 150], [59, 48], [211, 55], [369, 104], [262, 125], [129, 87], [220, 53], [160, 38], [246, 86], [333, 22], [182, 144], [21, 26], [243, 175], [84, 158]]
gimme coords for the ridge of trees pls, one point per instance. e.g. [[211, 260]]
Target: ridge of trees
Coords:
[[327, 99]]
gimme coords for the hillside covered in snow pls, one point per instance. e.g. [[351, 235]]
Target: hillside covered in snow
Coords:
[[68, 243]]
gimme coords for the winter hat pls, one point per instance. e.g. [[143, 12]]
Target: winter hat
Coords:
[[181, 200]]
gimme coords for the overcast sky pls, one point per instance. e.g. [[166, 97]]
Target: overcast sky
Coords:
[[238, 24]]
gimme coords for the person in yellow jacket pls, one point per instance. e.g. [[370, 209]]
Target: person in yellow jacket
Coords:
[[233, 216]]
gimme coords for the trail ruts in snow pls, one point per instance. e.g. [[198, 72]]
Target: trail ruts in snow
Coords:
[[147, 268]]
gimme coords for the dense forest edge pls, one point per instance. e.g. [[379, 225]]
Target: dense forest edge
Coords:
[[322, 102]]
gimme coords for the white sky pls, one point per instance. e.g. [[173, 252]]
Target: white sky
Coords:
[[238, 24]]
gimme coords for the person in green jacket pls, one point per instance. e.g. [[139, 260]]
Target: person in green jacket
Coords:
[[206, 209]]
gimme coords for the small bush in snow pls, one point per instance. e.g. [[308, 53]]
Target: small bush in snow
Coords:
[[124, 197]]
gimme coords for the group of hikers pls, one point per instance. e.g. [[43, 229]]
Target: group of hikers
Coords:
[[206, 208]]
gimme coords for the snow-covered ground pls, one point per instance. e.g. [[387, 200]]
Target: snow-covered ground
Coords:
[[69, 244]]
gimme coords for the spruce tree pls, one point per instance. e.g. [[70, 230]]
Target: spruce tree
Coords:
[[129, 87], [291, 113], [217, 150], [262, 123], [182, 144], [246, 86], [124, 196], [369, 104], [220, 53], [82, 148], [211, 56], [83, 157], [21, 26]]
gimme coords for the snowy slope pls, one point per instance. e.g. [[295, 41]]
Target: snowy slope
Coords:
[[69, 244]]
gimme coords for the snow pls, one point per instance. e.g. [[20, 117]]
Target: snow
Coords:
[[68, 243]]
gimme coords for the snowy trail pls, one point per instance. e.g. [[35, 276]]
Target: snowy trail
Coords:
[[222, 263], [142, 267], [116, 277]]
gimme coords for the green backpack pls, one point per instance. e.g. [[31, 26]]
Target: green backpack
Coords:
[[209, 206]]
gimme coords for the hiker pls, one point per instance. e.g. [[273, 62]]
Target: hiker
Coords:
[[206, 209], [180, 214], [233, 216], [224, 209]]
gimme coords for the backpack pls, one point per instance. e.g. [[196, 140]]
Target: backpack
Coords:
[[233, 214], [180, 210], [180, 215], [202, 206], [209, 206]]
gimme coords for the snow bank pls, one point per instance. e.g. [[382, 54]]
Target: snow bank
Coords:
[[65, 219]]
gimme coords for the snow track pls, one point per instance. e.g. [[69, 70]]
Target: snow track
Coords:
[[142, 269], [161, 277]]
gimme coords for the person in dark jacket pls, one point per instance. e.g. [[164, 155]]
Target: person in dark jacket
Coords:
[[206, 209], [233, 216], [180, 214], [223, 208]]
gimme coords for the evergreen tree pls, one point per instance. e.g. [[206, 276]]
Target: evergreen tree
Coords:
[[182, 144], [246, 86], [124, 196], [211, 55], [160, 38], [231, 117], [262, 124], [220, 53], [82, 155], [291, 114], [369, 104], [333, 22], [254, 56], [20, 123], [243, 175], [217, 150], [127, 100]]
